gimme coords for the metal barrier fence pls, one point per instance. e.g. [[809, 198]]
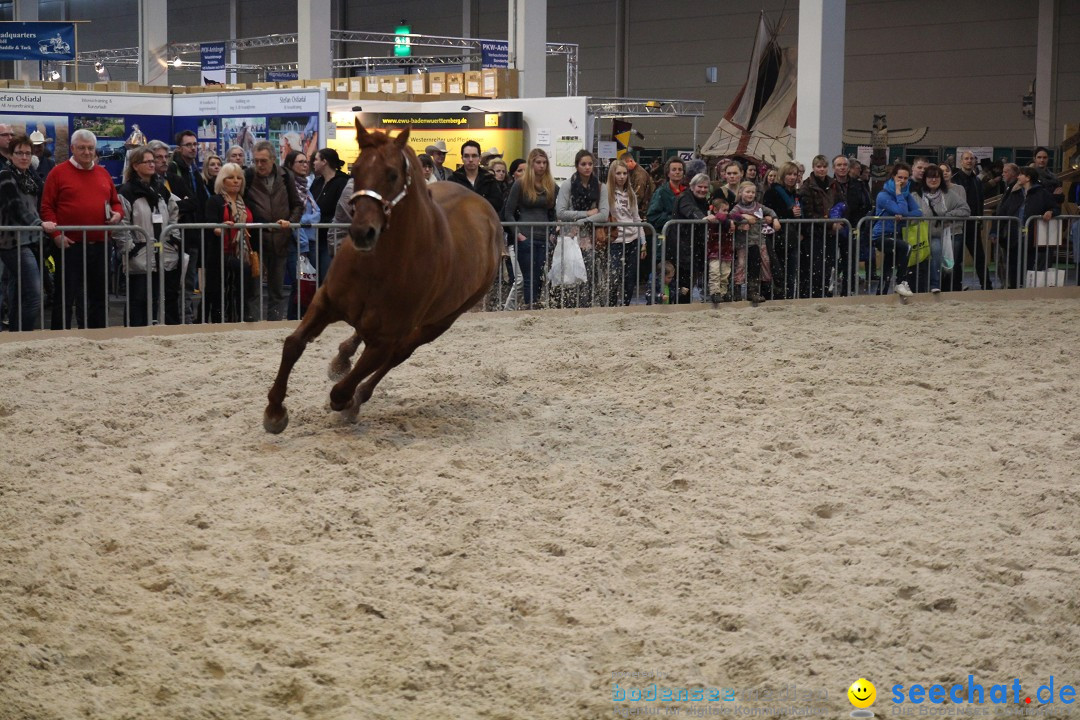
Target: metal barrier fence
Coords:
[[712, 260], [187, 275], [1050, 253], [542, 270], [918, 250], [70, 271], [237, 287]]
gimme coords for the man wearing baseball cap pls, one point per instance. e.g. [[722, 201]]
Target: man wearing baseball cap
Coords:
[[437, 152]]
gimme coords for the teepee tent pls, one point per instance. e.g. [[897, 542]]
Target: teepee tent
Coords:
[[760, 122]]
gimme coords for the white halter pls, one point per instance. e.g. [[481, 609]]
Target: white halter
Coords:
[[387, 205]]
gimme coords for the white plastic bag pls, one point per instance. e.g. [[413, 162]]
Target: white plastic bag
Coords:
[[947, 259], [308, 278], [567, 264]]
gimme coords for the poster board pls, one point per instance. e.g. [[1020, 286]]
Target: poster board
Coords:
[[290, 119], [112, 117], [502, 130]]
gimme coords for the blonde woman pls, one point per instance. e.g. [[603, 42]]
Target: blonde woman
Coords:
[[627, 245], [210, 169], [229, 282], [532, 200]]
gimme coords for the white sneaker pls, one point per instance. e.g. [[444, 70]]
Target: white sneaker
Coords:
[[903, 290], [935, 291]]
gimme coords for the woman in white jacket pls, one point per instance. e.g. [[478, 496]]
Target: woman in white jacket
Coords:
[[150, 206], [940, 199]]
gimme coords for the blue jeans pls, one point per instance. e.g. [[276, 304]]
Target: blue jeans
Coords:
[[532, 256], [25, 296], [895, 252], [622, 272], [935, 262]]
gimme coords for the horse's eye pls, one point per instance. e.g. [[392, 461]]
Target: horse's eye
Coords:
[[392, 175]]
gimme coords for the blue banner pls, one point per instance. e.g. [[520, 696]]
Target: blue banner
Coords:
[[37, 41], [281, 75], [494, 53]]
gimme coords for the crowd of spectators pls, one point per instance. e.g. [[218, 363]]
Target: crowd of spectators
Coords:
[[778, 232]]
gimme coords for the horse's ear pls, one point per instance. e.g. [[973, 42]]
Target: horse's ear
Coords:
[[363, 137], [402, 139]]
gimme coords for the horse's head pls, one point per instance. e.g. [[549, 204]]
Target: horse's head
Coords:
[[382, 177]]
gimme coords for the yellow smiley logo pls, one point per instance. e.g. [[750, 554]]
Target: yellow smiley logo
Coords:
[[862, 693]]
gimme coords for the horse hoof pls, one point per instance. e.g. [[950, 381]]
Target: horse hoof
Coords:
[[275, 425], [339, 405], [337, 370]]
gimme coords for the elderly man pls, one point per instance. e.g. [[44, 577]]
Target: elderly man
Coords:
[[80, 192], [272, 198], [161, 162]]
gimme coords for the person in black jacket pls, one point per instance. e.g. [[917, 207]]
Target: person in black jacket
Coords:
[[329, 182], [186, 183], [966, 177], [1038, 202], [857, 205], [476, 178]]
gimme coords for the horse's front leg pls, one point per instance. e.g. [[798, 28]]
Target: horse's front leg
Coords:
[[276, 417]]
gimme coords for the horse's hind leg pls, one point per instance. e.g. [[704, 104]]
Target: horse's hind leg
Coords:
[[341, 395], [339, 366], [425, 335], [276, 417]]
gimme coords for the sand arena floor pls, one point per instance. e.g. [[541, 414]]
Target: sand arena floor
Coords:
[[744, 498]]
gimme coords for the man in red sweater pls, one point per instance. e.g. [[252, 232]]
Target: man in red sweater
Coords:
[[80, 192]]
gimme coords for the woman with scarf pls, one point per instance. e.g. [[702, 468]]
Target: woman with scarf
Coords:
[[230, 285], [782, 197], [941, 199], [583, 200], [305, 238], [150, 206], [20, 188]]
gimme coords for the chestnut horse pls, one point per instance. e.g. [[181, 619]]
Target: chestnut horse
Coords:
[[400, 281]]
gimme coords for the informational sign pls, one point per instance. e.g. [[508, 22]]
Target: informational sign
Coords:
[[607, 149], [863, 154], [494, 53], [684, 155], [37, 41], [453, 128], [543, 136], [213, 63], [282, 75]]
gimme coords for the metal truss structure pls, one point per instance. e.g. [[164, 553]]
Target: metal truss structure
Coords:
[[130, 56], [640, 107]]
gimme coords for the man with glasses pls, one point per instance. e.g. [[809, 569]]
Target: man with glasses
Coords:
[[6, 133], [480, 180], [80, 192], [272, 198], [161, 162], [186, 183]]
